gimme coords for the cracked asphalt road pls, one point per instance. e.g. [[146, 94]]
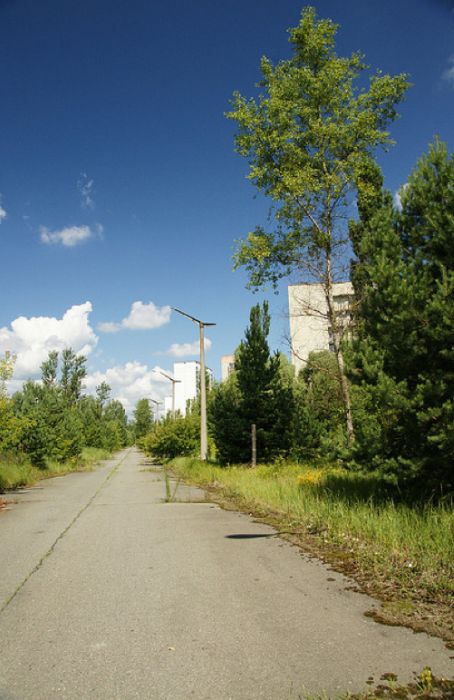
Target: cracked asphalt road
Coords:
[[107, 592]]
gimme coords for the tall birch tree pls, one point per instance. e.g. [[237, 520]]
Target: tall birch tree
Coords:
[[310, 136]]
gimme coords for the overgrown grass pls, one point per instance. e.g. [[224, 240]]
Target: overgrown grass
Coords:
[[17, 471], [353, 514]]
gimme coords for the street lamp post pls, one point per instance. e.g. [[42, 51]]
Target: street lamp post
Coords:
[[174, 381], [203, 398]]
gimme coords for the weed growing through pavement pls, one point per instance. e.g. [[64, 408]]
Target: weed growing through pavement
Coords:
[[425, 686], [170, 496]]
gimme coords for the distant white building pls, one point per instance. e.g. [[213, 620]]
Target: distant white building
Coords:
[[167, 405], [187, 374], [309, 327], [227, 366]]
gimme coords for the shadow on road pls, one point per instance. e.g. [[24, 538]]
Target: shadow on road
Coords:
[[250, 536]]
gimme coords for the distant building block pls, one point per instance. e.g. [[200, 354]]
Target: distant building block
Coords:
[[309, 326], [227, 366], [188, 376]]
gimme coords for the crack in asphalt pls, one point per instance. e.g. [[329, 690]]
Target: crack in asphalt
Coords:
[[47, 554]]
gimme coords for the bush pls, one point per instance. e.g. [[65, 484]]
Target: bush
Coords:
[[173, 437]]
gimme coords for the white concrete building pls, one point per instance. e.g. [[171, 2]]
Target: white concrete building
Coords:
[[227, 366], [187, 374], [309, 327]]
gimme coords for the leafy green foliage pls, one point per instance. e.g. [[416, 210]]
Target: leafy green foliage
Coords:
[[309, 137], [319, 418], [91, 413], [6, 370], [51, 420], [104, 422], [12, 427], [143, 418], [173, 437], [116, 426], [323, 390], [72, 373], [54, 427]]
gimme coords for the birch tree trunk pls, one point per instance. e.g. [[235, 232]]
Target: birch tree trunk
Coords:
[[336, 334]]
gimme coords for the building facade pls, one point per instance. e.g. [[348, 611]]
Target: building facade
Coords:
[[227, 366], [187, 375], [309, 326]]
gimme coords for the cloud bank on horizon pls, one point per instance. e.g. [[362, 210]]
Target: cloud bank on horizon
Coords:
[[31, 340], [130, 382]]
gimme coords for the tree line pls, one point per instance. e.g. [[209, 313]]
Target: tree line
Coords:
[[52, 419], [383, 400]]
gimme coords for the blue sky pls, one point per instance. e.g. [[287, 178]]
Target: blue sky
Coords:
[[113, 139]]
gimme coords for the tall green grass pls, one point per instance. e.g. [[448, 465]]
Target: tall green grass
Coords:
[[16, 471], [354, 512]]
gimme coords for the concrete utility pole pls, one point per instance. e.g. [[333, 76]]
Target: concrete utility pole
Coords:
[[156, 413], [254, 444], [203, 398], [174, 381]]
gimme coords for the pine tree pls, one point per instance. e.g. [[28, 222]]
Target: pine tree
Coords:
[[225, 423], [255, 394], [90, 412], [404, 356]]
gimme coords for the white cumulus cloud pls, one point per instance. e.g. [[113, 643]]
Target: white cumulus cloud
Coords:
[[68, 237], [31, 339], [187, 349], [142, 316], [131, 382]]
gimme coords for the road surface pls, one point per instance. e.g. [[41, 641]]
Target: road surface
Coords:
[[108, 592]]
